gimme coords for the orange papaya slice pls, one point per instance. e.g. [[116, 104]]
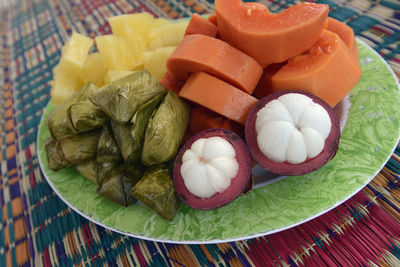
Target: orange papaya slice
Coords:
[[270, 38]]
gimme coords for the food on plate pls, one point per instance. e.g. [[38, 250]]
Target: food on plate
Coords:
[[270, 38], [113, 75], [154, 85], [129, 147], [117, 187], [200, 25], [155, 61], [202, 119], [141, 118], [121, 98], [55, 156], [84, 116], [328, 70], [292, 132], [57, 121], [198, 52], [88, 169], [170, 34], [93, 70], [77, 148], [165, 130], [212, 169], [218, 96], [155, 189], [171, 83], [345, 33], [264, 86], [109, 155]]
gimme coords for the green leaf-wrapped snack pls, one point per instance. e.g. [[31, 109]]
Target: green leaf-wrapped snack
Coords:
[[108, 153], [120, 99], [165, 130], [117, 187], [85, 116], [88, 169], [156, 190], [142, 116], [57, 120], [55, 156], [130, 149], [80, 147]]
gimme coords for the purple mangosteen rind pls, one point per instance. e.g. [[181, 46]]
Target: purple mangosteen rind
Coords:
[[238, 184], [286, 168]]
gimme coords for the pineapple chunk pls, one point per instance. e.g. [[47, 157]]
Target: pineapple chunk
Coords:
[[64, 85], [155, 61], [119, 53], [113, 75], [170, 34], [135, 26], [93, 70], [75, 52]]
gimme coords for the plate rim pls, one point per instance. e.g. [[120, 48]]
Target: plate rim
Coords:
[[217, 240]]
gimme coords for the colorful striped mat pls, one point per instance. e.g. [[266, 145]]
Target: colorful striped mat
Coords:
[[38, 229]]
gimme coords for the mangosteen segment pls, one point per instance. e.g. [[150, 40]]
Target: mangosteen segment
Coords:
[[292, 132], [212, 169]]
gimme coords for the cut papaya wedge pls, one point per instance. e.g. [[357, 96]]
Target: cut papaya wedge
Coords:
[[345, 33], [218, 96], [198, 52], [328, 70], [200, 25], [270, 38]]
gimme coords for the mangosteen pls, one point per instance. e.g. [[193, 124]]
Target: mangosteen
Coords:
[[212, 169], [292, 132]]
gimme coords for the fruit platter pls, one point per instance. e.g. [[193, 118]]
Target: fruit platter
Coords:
[[217, 128]]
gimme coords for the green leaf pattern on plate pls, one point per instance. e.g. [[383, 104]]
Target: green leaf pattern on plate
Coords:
[[368, 139]]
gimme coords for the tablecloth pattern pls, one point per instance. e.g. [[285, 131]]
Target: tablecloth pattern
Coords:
[[38, 229]]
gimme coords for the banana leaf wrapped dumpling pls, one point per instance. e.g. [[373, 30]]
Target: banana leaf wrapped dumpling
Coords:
[[84, 116], [57, 121], [156, 190], [117, 187], [55, 156], [165, 130], [130, 149], [88, 169], [120, 99], [142, 116], [108, 153], [80, 147]]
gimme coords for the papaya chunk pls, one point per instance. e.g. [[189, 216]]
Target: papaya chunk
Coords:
[[199, 25], [264, 86], [170, 83], [218, 96], [270, 38], [345, 33], [198, 52], [328, 70], [202, 119]]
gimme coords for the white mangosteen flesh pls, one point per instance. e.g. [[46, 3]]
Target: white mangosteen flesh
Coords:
[[292, 128], [208, 166]]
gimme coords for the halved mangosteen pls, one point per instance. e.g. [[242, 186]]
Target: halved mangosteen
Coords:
[[212, 169], [292, 132]]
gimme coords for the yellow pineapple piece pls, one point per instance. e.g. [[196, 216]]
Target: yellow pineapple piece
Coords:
[[170, 34], [135, 26], [63, 85], [75, 52], [119, 53], [155, 61], [113, 75], [93, 70]]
